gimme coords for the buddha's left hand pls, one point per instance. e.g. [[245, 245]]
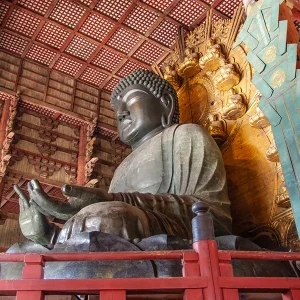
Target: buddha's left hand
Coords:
[[81, 197]]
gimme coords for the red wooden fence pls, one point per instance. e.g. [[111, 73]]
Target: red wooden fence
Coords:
[[207, 274]]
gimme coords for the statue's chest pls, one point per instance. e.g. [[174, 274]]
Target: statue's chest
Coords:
[[141, 171]]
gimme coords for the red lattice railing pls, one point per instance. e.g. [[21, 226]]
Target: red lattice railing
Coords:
[[206, 272]]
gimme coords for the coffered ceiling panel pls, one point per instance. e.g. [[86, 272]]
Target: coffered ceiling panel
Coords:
[[100, 41]]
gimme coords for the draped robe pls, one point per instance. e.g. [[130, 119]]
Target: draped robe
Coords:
[[164, 177]]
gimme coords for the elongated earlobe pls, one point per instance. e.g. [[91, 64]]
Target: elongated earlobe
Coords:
[[168, 101]]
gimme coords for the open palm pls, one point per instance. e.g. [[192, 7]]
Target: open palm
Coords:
[[34, 225]]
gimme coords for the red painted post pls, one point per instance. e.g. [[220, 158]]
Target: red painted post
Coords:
[[190, 267], [291, 295], [215, 268], [113, 295], [203, 232], [227, 271], [81, 156], [33, 269]]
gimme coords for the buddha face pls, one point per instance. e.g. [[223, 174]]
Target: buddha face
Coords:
[[138, 114]]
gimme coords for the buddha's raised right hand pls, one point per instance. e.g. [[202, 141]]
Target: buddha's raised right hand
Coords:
[[34, 225], [80, 197]]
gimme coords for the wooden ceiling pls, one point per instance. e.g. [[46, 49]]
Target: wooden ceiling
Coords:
[[100, 41]]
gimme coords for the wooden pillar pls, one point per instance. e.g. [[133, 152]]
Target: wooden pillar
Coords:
[[3, 124], [81, 155]]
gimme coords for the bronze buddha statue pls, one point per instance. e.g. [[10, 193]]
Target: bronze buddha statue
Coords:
[[148, 205], [171, 167]]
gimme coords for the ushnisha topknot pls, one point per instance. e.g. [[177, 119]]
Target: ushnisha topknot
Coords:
[[155, 84]]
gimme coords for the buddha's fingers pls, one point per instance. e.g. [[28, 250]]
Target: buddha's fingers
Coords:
[[85, 193], [38, 196], [23, 201], [36, 185], [39, 209]]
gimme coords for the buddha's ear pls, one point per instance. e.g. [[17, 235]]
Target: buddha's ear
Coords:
[[169, 102]]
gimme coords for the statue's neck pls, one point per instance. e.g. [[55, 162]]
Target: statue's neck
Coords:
[[147, 137]]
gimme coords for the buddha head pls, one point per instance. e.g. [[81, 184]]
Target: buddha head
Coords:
[[144, 105]]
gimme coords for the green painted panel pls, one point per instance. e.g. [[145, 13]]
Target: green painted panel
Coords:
[[270, 112], [279, 83], [263, 87], [289, 136], [256, 62], [292, 62], [262, 29], [290, 103], [281, 48]]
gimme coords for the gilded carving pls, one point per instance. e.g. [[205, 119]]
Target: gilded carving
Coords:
[[235, 108], [226, 77], [259, 120], [272, 153], [170, 74], [213, 58], [217, 128], [282, 197], [221, 29], [282, 223], [189, 67], [196, 37]]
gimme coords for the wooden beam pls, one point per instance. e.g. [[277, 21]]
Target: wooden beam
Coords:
[[46, 86], [36, 141], [41, 180], [73, 95], [46, 105], [37, 128], [27, 153]]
